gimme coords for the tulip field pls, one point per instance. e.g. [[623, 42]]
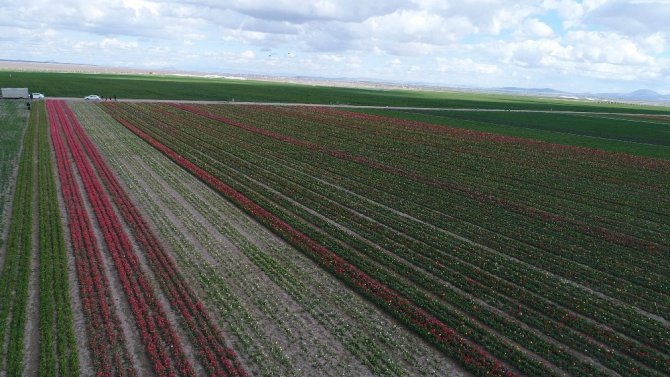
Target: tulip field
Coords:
[[193, 239]]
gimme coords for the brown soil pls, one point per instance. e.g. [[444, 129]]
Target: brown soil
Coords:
[[83, 349], [31, 340]]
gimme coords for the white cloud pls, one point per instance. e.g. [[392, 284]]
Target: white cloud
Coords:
[[633, 17], [491, 41], [535, 28], [304, 11], [600, 47], [114, 43], [573, 11], [465, 66], [248, 54]]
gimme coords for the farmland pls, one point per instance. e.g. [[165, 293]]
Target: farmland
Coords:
[[35, 257], [559, 266], [169, 87], [224, 239], [12, 125]]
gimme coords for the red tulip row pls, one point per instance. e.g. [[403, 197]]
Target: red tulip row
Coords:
[[217, 357], [475, 357], [109, 355], [158, 336]]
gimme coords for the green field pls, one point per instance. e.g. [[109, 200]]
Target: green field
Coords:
[[190, 88], [12, 124], [642, 137]]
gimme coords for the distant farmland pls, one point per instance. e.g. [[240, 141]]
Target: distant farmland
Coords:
[[221, 239]]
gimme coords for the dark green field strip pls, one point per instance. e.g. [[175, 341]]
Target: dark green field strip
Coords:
[[339, 238], [602, 127], [12, 127], [561, 138], [171, 87], [15, 275], [640, 256], [58, 349], [652, 119]]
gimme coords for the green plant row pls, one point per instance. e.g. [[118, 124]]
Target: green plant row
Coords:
[[315, 201], [58, 348], [15, 275], [12, 128]]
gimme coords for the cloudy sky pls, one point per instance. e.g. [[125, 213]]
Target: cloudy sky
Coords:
[[587, 45]]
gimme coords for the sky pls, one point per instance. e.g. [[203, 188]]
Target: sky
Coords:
[[570, 45]]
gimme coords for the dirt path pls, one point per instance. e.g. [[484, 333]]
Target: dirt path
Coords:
[[83, 348], [31, 340]]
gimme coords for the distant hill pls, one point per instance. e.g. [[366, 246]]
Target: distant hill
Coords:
[[644, 93]]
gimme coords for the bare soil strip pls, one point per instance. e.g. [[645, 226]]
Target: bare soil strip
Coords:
[[32, 333], [83, 346]]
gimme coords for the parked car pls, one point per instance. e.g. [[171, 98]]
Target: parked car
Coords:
[[93, 97], [37, 96]]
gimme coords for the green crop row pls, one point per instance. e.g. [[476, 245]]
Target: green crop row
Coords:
[[12, 127], [15, 276], [58, 349], [36, 185]]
